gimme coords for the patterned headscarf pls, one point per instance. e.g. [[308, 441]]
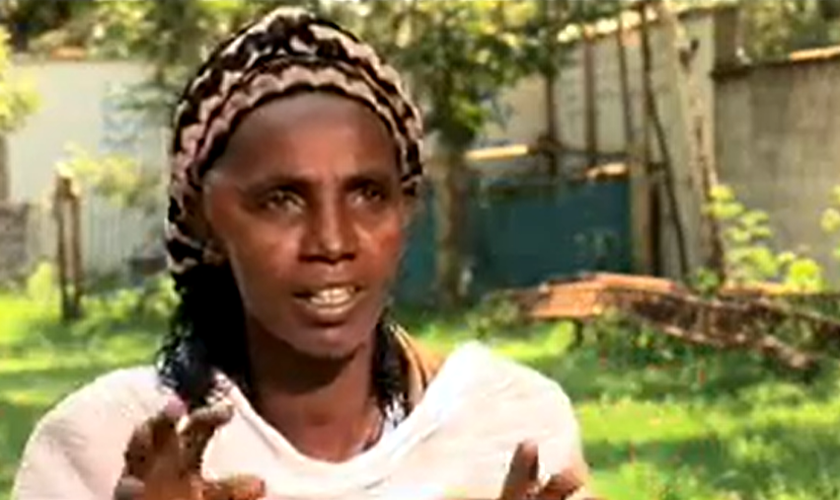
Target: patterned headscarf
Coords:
[[286, 51]]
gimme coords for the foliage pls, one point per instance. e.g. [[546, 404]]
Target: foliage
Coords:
[[703, 428], [830, 221], [117, 178], [459, 55], [772, 29], [17, 99], [30, 21], [42, 284], [750, 258], [469, 49], [618, 337], [150, 304], [494, 314]]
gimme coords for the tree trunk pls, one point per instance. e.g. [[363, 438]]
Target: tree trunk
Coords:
[[5, 171], [702, 168], [550, 78], [450, 217], [590, 93]]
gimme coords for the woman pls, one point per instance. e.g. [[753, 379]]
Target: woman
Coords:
[[296, 162]]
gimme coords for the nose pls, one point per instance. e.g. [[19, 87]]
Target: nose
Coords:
[[330, 236]]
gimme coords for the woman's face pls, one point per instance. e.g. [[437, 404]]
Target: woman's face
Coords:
[[307, 207]]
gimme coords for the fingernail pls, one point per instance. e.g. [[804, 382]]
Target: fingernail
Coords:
[[128, 488], [182, 423], [223, 407], [175, 408]]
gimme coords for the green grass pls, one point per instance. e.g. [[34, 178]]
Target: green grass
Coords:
[[703, 428]]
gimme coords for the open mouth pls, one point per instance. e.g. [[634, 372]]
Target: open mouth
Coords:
[[330, 303], [335, 296]]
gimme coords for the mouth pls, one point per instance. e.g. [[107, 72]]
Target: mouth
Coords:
[[330, 303]]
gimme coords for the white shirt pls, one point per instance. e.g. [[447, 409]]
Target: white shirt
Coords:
[[456, 443]]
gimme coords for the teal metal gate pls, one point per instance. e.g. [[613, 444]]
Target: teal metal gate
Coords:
[[542, 232]]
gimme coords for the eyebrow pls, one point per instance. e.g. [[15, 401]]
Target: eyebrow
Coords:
[[305, 183]]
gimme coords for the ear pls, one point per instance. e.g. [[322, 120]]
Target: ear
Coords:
[[214, 252], [412, 194]]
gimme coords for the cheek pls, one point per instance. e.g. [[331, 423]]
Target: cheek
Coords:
[[253, 247], [386, 244]]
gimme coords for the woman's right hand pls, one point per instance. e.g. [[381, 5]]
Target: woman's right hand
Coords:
[[523, 481], [162, 463]]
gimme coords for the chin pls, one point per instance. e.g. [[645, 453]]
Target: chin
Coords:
[[328, 342], [316, 337], [326, 345]]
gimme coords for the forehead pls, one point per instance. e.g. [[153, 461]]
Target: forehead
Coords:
[[306, 112], [306, 131]]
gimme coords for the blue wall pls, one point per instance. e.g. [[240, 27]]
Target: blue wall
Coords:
[[522, 240]]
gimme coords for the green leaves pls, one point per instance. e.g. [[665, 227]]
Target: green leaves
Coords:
[[775, 28], [17, 99], [750, 258], [830, 221], [458, 54], [118, 179]]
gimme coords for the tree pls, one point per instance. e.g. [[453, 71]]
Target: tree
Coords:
[[28, 20], [775, 28], [457, 54], [17, 101]]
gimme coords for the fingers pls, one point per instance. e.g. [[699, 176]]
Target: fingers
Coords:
[[164, 425], [200, 428], [523, 473], [561, 486], [150, 438], [129, 488], [235, 488]]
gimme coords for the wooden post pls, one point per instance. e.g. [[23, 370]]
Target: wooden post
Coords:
[[646, 239], [66, 210], [75, 209], [449, 196], [589, 98], [624, 85], [701, 164], [666, 172], [550, 76], [639, 191], [5, 171]]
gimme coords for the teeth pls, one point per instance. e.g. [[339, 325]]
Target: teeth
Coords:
[[331, 297]]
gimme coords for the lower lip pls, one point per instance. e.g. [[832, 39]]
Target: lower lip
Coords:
[[330, 313]]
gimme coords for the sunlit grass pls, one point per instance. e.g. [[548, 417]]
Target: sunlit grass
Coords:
[[718, 428]]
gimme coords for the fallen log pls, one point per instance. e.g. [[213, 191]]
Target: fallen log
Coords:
[[745, 323]]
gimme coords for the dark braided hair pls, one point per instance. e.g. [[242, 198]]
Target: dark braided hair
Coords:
[[286, 51]]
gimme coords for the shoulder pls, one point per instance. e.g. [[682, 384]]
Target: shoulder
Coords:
[[122, 395], [78, 444], [497, 372], [520, 403]]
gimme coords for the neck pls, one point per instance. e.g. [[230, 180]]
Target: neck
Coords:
[[326, 408]]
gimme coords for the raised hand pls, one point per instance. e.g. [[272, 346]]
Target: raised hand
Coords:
[[163, 463], [523, 482]]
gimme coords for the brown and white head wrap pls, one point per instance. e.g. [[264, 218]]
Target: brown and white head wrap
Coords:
[[286, 51]]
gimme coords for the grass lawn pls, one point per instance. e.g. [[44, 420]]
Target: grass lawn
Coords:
[[715, 428]]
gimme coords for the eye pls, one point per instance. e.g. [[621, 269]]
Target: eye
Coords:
[[282, 199], [371, 192]]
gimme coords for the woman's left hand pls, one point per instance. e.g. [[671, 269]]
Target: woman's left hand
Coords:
[[523, 481]]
